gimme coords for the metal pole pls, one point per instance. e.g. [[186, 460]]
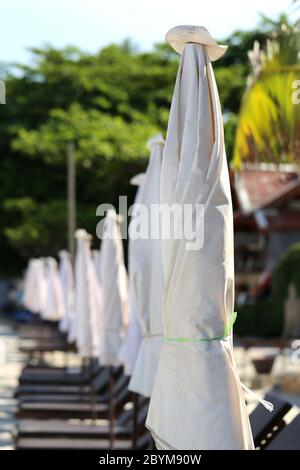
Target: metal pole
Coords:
[[111, 399], [71, 184], [135, 400]]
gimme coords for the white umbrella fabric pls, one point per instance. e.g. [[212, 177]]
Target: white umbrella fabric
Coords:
[[54, 305], [35, 288], [97, 262], [28, 284], [67, 282], [87, 298], [114, 284], [146, 267], [133, 337], [197, 400]]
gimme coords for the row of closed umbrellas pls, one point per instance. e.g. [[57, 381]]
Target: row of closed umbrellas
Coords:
[[170, 323]]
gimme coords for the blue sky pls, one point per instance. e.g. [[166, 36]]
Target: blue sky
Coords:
[[91, 24]]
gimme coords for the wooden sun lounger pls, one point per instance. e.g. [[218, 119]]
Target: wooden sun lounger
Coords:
[[98, 388], [71, 410], [67, 389], [63, 398], [95, 383], [63, 377], [36, 326], [57, 429], [44, 346], [123, 427], [62, 410], [41, 334], [266, 425], [82, 436], [288, 438], [62, 443]]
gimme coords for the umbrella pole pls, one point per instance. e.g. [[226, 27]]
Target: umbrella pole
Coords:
[[111, 407], [68, 362], [135, 400], [83, 359], [42, 335]]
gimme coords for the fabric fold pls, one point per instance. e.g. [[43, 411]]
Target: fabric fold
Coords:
[[147, 275], [114, 283], [197, 401], [67, 282], [88, 299]]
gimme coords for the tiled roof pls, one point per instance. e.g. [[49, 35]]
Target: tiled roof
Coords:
[[259, 186]]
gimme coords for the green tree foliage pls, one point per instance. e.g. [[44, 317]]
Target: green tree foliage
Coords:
[[265, 318], [269, 120], [109, 104]]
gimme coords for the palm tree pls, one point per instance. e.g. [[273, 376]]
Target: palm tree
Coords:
[[269, 119]]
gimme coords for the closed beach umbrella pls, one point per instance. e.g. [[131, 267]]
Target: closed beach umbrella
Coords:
[[114, 285], [96, 263], [197, 400], [35, 288], [28, 284], [137, 180], [67, 282], [133, 337], [146, 267], [87, 298], [54, 305]]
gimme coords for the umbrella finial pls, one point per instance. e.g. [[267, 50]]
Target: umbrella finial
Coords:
[[181, 35], [157, 139], [137, 180]]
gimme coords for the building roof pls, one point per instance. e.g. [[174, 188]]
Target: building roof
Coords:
[[258, 186], [264, 197]]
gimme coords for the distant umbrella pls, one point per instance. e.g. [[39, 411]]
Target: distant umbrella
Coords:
[[88, 298], [28, 284], [35, 288], [133, 337], [96, 262], [148, 275], [54, 304], [114, 284], [67, 282]]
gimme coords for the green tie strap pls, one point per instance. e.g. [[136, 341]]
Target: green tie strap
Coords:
[[227, 330]]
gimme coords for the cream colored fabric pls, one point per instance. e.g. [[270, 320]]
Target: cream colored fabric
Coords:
[[88, 298], [28, 284], [114, 284], [181, 35], [197, 401], [67, 282], [35, 286], [133, 336], [54, 305], [148, 278], [97, 262]]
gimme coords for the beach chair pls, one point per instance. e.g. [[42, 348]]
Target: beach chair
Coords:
[[75, 410], [266, 425], [68, 436], [288, 438]]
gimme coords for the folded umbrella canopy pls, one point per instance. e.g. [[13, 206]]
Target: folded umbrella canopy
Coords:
[[35, 286], [67, 282], [133, 336], [146, 266], [96, 262], [87, 298], [197, 401], [54, 305], [114, 284], [28, 284]]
